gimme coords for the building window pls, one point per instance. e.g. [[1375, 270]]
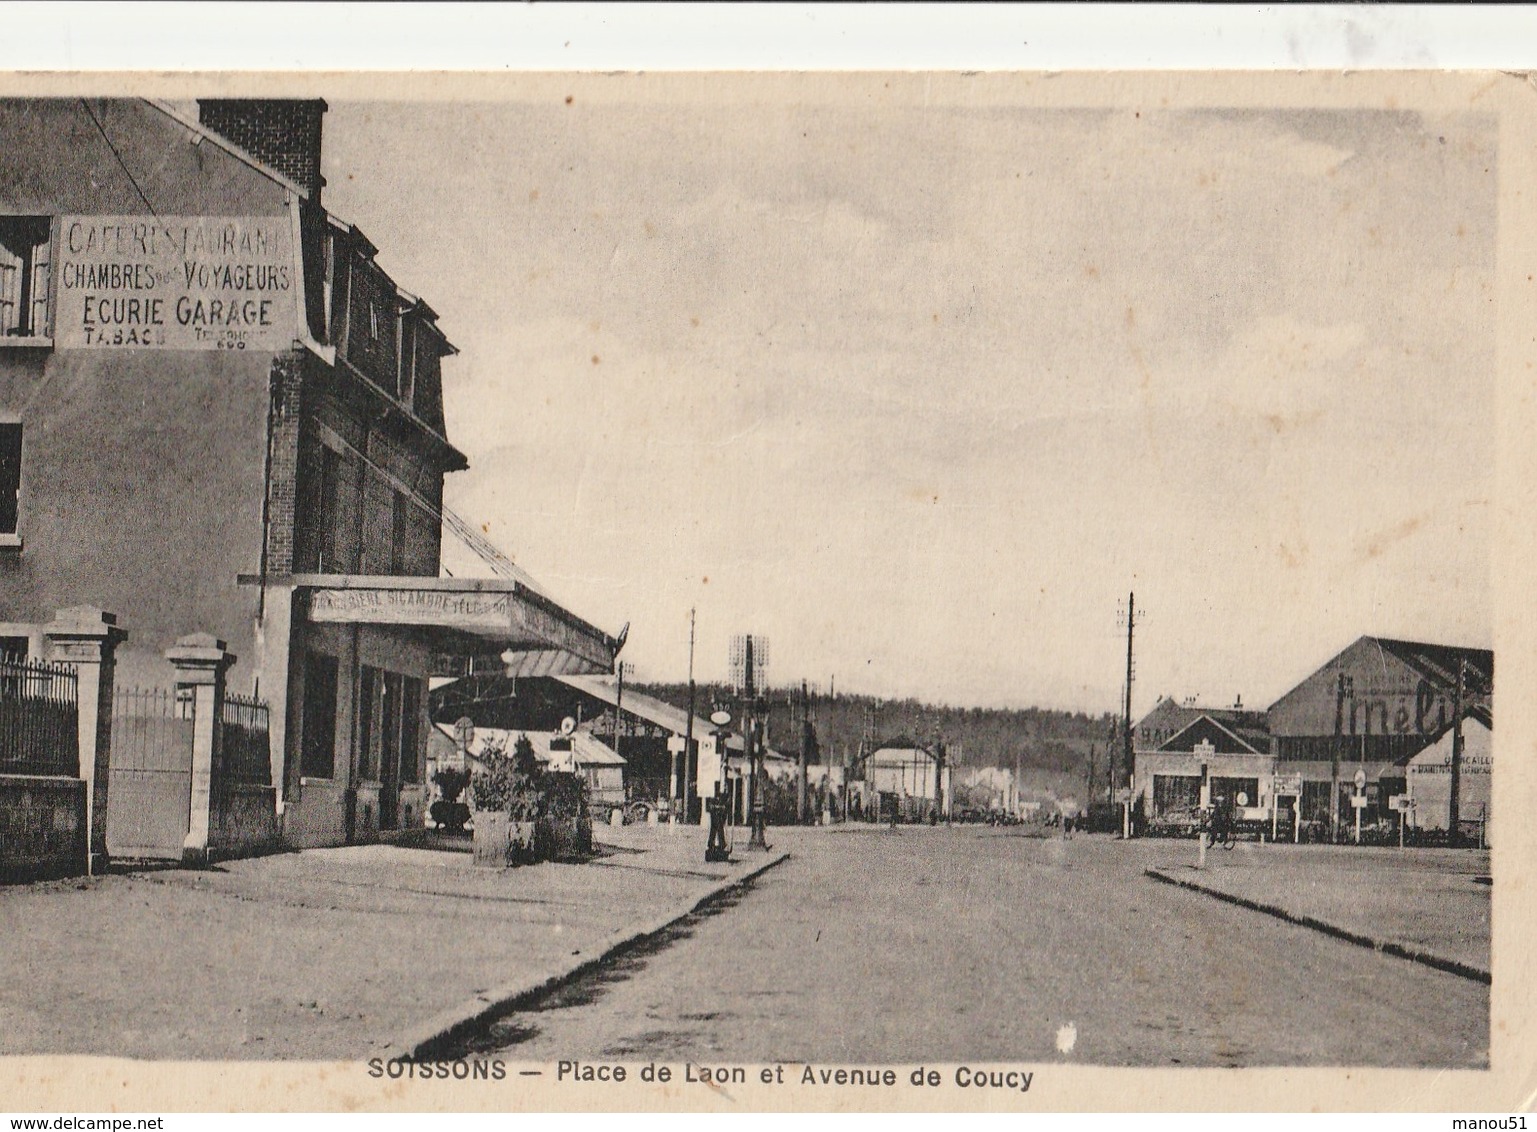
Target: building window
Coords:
[[338, 493], [24, 262], [406, 384], [317, 755], [14, 650], [10, 477]]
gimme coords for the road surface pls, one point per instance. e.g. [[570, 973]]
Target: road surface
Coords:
[[977, 944]]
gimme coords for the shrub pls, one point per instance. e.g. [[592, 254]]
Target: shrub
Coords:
[[503, 785]]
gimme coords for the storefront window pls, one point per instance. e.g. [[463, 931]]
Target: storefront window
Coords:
[[370, 694], [410, 731], [1173, 793], [1230, 788], [317, 758]]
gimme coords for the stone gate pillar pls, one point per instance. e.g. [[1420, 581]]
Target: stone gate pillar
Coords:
[[201, 662], [87, 638]]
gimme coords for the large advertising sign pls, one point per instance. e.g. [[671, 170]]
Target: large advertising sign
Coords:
[[175, 283]]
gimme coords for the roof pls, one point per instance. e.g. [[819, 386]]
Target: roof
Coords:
[[587, 750], [1176, 716], [209, 134], [891, 755], [1433, 666], [1227, 740], [1438, 665], [638, 704]]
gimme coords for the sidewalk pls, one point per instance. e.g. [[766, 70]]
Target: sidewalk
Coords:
[[324, 954], [1422, 904]]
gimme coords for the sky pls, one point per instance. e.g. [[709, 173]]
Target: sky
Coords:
[[922, 392]]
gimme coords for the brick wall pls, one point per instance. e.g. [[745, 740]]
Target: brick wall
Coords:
[[283, 472], [42, 823], [283, 133]]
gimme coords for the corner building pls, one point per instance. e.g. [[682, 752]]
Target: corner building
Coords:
[[218, 414]]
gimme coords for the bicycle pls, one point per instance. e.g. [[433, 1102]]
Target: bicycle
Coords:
[[1217, 824]]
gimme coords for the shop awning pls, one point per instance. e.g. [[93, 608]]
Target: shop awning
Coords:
[[471, 623]]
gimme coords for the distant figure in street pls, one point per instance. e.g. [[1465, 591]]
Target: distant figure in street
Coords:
[[1067, 827]]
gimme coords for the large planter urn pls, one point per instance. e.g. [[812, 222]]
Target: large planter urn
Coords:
[[520, 842], [492, 839]]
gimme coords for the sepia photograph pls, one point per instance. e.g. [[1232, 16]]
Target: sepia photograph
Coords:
[[865, 589]]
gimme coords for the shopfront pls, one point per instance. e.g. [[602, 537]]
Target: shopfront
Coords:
[[361, 654]]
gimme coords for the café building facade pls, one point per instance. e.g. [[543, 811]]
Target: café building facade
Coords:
[[220, 414]]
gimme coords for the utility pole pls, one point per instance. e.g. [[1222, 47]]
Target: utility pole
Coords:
[[1346, 691], [689, 773], [1126, 738], [1454, 808], [619, 703], [754, 751], [800, 777]]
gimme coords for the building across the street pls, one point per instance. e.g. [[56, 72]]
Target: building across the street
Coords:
[[1236, 759], [1370, 710], [219, 414], [908, 775], [1376, 711], [1430, 782]]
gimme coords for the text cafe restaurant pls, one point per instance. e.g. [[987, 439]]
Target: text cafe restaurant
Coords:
[[220, 415]]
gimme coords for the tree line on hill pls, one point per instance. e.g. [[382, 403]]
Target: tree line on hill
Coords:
[[1055, 749]]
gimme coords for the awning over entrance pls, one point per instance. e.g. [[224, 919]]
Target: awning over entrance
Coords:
[[471, 623]]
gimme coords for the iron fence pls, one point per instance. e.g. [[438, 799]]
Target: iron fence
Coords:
[[146, 722], [39, 718], [244, 755]]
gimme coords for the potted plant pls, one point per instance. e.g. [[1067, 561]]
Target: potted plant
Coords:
[[506, 804], [448, 812], [565, 821]]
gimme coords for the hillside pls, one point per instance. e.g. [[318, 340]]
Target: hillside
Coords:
[[1052, 748]]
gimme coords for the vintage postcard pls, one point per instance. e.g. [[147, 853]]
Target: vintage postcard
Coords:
[[881, 591]]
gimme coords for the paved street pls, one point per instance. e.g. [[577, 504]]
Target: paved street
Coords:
[[981, 944]]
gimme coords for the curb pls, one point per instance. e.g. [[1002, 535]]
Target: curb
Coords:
[[1386, 946], [456, 1022]]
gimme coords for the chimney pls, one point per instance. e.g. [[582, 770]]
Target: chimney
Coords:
[[282, 133]]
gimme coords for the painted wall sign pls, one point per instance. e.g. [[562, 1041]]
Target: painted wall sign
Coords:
[[175, 283]]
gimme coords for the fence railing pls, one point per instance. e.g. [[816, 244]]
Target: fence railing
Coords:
[[39, 718], [243, 752], [151, 728]]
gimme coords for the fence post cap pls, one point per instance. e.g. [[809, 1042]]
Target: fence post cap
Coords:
[[200, 651], [84, 619]]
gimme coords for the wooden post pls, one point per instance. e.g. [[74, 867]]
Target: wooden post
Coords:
[[1205, 805], [1454, 806]]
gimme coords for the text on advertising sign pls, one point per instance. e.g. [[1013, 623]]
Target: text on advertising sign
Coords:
[[175, 283], [413, 607]]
